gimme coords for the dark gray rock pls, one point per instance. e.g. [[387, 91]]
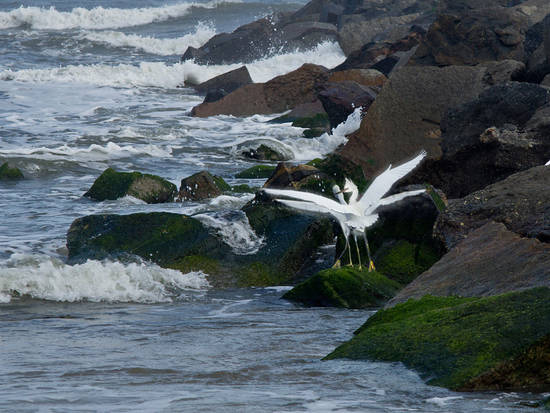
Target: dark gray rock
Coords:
[[264, 153], [521, 202], [341, 98], [221, 85], [504, 131]]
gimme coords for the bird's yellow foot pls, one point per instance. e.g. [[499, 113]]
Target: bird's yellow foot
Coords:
[[337, 264], [371, 266]]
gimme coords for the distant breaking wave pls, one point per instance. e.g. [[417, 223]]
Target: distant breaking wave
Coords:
[[160, 74], [162, 47], [47, 278], [98, 17]]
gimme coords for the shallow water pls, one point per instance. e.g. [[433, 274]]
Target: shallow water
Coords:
[[91, 84]]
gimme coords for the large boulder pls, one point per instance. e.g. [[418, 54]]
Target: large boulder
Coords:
[[503, 131], [453, 341], [537, 51], [222, 85], [340, 99], [202, 185], [365, 77], [474, 36], [491, 260], [188, 244], [383, 55], [256, 40], [277, 95], [406, 114], [521, 202], [149, 188]]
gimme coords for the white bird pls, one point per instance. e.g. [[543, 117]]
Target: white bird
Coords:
[[547, 163], [359, 213]]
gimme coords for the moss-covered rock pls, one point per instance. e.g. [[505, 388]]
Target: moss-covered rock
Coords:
[[346, 287], [338, 168], [320, 120], [8, 174], [149, 188], [243, 188], [202, 185], [403, 261], [256, 172], [451, 340], [313, 133]]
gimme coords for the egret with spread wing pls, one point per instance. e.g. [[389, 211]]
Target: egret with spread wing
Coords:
[[358, 213]]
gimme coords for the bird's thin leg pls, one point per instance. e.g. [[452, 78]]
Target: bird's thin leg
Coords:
[[337, 260], [371, 263], [349, 253], [358, 253]]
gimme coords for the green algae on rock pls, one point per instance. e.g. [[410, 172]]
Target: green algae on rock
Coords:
[[256, 172], [7, 173], [346, 287], [202, 185], [452, 340], [149, 188]]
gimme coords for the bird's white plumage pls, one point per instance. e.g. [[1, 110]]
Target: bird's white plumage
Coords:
[[383, 182], [308, 196]]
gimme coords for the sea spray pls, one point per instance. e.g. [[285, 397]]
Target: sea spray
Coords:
[[48, 278], [235, 230]]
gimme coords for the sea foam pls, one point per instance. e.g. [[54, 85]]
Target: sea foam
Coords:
[[50, 279], [98, 17], [162, 47], [162, 75]]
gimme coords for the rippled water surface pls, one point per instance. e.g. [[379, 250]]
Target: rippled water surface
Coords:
[[93, 84]]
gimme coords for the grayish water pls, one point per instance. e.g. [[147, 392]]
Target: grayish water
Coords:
[[91, 84]]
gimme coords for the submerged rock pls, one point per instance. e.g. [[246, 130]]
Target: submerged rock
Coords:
[[202, 185], [149, 188], [264, 153], [451, 341], [8, 174], [491, 260], [346, 287]]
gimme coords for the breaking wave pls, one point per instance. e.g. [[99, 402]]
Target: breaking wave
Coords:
[[97, 18], [47, 278]]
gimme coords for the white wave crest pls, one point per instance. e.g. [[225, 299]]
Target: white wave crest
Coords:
[[93, 152], [159, 74], [162, 47], [328, 54], [96, 18], [50, 279], [235, 230]]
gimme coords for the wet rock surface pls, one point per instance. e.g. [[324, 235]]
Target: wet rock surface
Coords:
[[149, 188], [202, 185]]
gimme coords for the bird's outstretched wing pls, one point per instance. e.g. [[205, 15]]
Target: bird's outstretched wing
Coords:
[[398, 197], [383, 182], [319, 200], [304, 206]]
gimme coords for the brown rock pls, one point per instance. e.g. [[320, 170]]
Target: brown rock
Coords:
[[405, 116], [277, 95], [491, 260], [289, 176], [201, 185]]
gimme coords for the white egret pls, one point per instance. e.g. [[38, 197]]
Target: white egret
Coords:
[[358, 213]]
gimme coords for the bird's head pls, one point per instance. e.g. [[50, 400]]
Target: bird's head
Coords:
[[336, 190]]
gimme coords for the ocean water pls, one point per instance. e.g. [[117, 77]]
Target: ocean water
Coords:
[[90, 84]]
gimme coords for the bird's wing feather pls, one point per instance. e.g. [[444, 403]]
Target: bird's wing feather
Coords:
[[304, 206], [308, 196], [398, 197], [383, 182]]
